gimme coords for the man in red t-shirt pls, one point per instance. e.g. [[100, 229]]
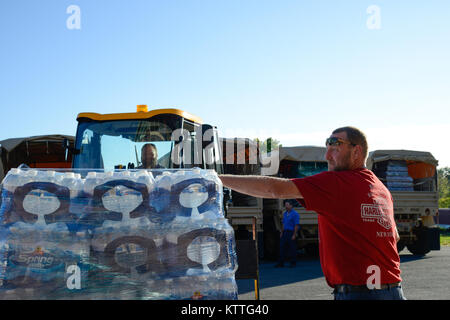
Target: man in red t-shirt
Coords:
[[357, 231]]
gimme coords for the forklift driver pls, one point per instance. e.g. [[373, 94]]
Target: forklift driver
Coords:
[[149, 156]]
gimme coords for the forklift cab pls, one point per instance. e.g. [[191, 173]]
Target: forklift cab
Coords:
[[117, 141]]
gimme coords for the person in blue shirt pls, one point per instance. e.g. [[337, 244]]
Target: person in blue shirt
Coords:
[[288, 245]]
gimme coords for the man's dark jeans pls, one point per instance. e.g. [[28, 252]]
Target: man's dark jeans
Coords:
[[288, 247], [385, 294]]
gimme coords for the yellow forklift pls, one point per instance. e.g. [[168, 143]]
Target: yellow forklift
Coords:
[[115, 141], [181, 140]]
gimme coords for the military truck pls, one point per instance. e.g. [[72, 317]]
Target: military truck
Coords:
[[240, 157], [411, 177], [44, 151], [294, 162]]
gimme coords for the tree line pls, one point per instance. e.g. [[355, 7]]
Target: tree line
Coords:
[[444, 187]]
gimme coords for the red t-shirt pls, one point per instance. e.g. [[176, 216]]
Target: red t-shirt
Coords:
[[356, 225]]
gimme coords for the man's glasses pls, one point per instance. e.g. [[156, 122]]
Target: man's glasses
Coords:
[[334, 141]]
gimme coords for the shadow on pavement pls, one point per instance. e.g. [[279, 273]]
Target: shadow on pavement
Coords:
[[408, 257], [307, 268]]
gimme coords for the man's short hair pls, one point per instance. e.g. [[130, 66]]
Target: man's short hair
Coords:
[[355, 136], [291, 202], [148, 144]]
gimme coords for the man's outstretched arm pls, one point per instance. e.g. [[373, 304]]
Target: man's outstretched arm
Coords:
[[262, 186]]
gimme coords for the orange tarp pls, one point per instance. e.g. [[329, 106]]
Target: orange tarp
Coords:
[[419, 170]]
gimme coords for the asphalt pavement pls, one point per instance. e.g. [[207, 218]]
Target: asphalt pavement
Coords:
[[424, 278]]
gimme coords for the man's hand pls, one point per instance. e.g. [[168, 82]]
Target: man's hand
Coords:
[[295, 232]]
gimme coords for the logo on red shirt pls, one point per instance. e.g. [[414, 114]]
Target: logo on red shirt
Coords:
[[371, 212]]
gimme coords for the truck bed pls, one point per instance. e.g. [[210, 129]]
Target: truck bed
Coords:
[[416, 202]]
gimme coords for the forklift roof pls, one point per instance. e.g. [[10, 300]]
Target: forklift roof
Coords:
[[138, 115]]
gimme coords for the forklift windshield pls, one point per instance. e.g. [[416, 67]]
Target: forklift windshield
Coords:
[[120, 144]]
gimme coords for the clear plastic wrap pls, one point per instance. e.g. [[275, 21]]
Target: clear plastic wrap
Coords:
[[124, 234], [397, 178]]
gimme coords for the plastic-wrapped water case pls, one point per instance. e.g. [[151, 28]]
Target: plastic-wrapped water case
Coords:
[[397, 178], [123, 234]]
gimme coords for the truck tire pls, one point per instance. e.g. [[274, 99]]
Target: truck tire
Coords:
[[421, 245], [400, 245], [312, 249]]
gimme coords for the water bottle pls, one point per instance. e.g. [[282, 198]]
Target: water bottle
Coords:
[[160, 198], [144, 177], [200, 288], [46, 176], [212, 287], [41, 202], [192, 197], [32, 261], [196, 195], [191, 257], [72, 249], [164, 180], [159, 289], [70, 181], [9, 185], [126, 195], [216, 210], [13, 179], [121, 248], [231, 263], [36, 255], [91, 215], [121, 254], [226, 288], [77, 203], [91, 181], [170, 252], [203, 250]]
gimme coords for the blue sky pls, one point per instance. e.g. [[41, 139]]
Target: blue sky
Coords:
[[293, 70]]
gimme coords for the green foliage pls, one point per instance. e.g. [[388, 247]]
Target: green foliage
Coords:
[[445, 240], [444, 202], [444, 187], [445, 237], [263, 144]]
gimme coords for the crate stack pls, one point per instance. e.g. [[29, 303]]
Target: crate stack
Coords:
[[397, 177]]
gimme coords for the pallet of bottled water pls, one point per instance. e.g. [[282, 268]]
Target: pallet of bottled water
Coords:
[[397, 177], [129, 234]]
